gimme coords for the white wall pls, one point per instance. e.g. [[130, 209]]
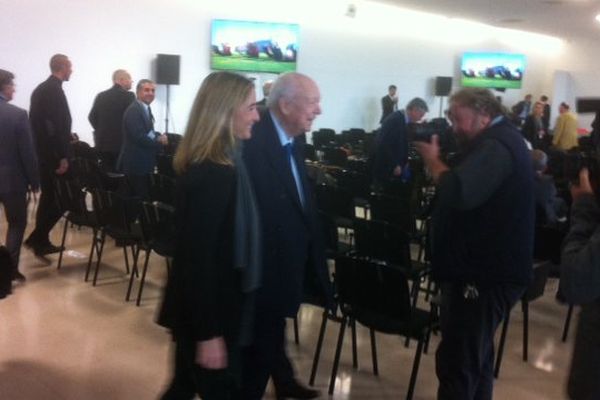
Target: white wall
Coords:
[[352, 59]]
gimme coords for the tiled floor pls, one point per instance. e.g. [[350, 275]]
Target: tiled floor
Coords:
[[61, 338]]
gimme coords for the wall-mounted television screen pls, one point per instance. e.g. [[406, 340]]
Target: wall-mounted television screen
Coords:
[[492, 70], [254, 46]]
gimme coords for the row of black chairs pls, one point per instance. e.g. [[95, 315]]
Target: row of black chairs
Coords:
[[99, 200]]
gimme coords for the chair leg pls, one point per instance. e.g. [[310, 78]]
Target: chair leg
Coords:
[[354, 349], [525, 305], [374, 352], [501, 345], [102, 241], [126, 258], [143, 280], [336, 358], [296, 333], [133, 275], [93, 247], [415, 369], [62, 244], [567, 323], [313, 371]]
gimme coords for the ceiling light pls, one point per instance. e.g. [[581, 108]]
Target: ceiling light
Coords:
[[598, 17]]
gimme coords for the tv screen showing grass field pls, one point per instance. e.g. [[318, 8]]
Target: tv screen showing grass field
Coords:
[[254, 46], [492, 70]]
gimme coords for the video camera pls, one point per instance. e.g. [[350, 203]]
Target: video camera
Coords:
[[422, 132]]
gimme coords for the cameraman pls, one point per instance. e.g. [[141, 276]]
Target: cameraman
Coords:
[[482, 238], [580, 284]]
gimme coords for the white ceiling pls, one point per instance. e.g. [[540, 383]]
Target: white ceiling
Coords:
[[566, 19]]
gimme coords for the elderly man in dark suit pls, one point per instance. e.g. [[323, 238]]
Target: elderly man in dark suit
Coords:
[[106, 116], [141, 142], [51, 123], [18, 168], [293, 256]]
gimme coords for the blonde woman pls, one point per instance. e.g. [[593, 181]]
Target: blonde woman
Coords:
[[216, 263]]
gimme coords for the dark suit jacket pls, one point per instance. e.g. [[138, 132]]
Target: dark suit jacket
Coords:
[[293, 254], [18, 162], [203, 296], [106, 117], [138, 152], [392, 147], [387, 107], [51, 122], [530, 131]]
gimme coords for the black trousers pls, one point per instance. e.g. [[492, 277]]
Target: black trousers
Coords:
[[190, 379], [48, 212], [465, 356], [15, 208], [265, 357]]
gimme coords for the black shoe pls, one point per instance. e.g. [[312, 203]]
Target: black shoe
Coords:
[[46, 249], [17, 276], [295, 390]]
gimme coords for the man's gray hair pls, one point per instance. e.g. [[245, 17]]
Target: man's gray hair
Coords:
[[417, 103], [287, 86], [142, 82], [482, 101]]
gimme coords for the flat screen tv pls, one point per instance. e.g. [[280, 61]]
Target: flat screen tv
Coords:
[[254, 46], [492, 70]]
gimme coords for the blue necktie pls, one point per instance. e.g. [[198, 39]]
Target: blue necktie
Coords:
[[289, 149]]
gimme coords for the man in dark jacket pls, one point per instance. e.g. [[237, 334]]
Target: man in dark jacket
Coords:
[[482, 239], [580, 284], [18, 169], [106, 117], [293, 254], [51, 123]]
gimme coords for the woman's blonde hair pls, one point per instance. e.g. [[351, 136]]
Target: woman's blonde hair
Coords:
[[209, 133]]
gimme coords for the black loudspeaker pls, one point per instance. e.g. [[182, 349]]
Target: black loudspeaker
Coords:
[[443, 85], [588, 104], [167, 69]]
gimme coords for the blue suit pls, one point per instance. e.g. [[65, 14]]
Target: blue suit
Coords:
[[138, 153], [139, 150], [18, 170], [293, 256], [392, 149]]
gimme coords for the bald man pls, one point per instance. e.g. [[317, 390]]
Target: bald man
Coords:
[[293, 254], [106, 116], [51, 123]]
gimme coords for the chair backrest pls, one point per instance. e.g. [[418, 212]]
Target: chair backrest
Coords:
[[161, 188], [358, 184], [164, 165], [334, 201], [547, 243], [538, 284], [323, 137], [114, 210], [374, 294], [382, 241], [87, 172], [158, 226], [334, 156], [396, 210]]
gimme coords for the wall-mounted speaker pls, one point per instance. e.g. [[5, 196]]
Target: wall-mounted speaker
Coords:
[[443, 85], [167, 69]]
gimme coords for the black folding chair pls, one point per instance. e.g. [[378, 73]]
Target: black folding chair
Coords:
[[377, 296]]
